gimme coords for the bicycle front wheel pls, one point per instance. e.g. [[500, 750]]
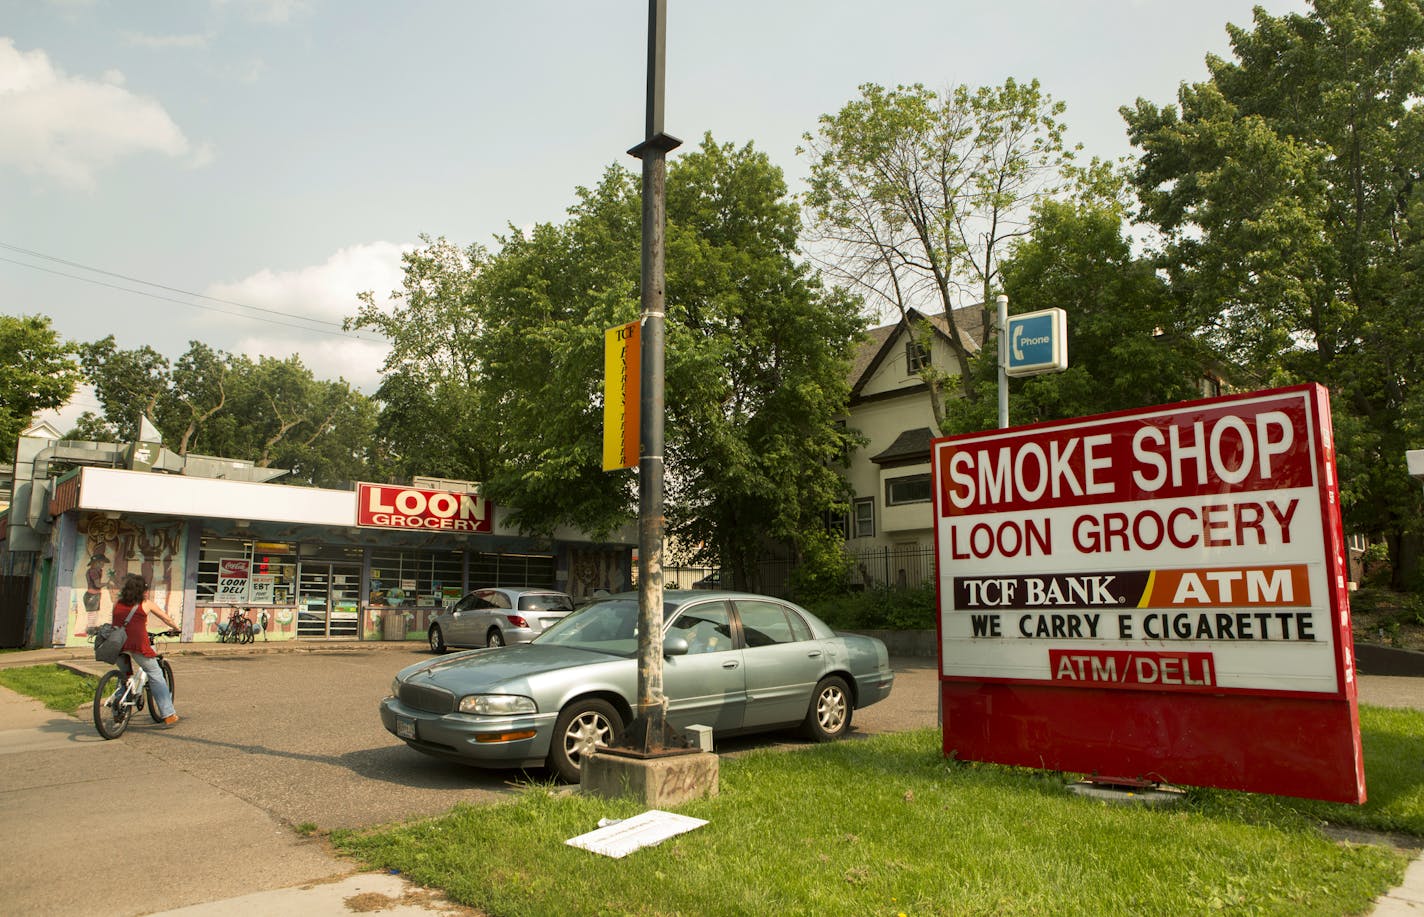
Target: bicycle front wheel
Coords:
[[168, 677], [110, 719]]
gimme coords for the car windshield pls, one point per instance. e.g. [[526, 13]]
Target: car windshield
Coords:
[[610, 626], [547, 601]]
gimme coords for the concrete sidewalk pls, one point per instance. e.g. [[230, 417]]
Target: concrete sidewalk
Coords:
[[192, 847], [64, 793]]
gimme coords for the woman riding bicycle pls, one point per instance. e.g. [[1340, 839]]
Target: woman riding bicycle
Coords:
[[134, 596]]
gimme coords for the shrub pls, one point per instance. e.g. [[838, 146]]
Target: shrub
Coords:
[[877, 609], [824, 569]]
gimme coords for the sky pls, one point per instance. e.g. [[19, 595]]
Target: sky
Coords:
[[236, 171]]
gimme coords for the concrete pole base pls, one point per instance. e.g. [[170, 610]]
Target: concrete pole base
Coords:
[[657, 782]]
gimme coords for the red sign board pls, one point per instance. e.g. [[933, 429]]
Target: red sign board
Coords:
[[1154, 594], [389, 506]]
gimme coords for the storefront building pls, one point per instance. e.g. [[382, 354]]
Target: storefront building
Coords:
[[301, 562]]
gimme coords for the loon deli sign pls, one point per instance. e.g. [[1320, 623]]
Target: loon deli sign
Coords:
[[389, 506], [1157, 594]]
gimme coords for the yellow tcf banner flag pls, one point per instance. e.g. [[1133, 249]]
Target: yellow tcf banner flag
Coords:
[[622, 363]]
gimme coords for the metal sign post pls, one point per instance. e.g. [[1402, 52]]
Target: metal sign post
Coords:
[[1003, 303], [648, 732]]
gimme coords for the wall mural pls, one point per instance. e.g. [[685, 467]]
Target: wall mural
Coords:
[[596, 570], [111, 549]]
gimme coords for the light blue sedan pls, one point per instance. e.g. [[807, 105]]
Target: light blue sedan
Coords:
[[734, 661]]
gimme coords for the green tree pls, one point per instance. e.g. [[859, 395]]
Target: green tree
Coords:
[[757, 356], [429, 397], [37, 372], [1128, 344], [128, 384], [272, 412], [914, 196], [277, 414], [197, 392], [1287, 188]]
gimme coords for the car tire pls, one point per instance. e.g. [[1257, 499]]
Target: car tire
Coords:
[[581, 727], [829, 715], [494, 637], [437, 640]]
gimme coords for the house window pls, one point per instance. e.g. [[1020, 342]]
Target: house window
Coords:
[[917, 356], [913, 488], [838, 523], [865, 517]]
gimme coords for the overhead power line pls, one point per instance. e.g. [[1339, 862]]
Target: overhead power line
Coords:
[[334, 328]]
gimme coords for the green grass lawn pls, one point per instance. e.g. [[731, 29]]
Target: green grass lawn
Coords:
[[57, 688], [888, 826]]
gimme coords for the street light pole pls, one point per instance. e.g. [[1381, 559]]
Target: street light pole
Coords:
[[648, 731]]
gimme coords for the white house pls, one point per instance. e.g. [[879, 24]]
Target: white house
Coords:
[[889, 527]]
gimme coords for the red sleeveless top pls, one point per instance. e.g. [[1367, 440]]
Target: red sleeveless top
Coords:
[[137, 629]]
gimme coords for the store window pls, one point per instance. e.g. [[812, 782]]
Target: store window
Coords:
[[530, 571], [416, 579], [236, 572]]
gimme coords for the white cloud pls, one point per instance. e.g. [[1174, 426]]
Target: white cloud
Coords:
[[325, 291], [68, 128], [356, 361]]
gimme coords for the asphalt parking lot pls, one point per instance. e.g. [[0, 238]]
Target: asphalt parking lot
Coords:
[[298, 736], [302, 738]]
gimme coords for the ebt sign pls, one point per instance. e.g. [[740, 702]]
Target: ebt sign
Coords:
[[396, 507], [1155, 594]]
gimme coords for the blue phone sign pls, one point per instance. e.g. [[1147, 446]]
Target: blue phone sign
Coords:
[[1037, 343]]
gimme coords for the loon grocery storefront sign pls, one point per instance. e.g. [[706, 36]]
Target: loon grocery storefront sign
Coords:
[[1156, 594], [390, 506]]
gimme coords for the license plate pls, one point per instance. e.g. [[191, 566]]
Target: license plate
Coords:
[[405, 727]]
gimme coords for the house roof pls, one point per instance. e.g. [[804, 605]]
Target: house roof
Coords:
[[878, 341], [912, 444]]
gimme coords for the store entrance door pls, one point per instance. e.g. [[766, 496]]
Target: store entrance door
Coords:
[[328, 599]]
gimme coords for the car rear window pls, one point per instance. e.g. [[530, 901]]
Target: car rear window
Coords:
[[549, 602]]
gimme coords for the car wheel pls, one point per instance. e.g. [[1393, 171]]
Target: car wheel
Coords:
[[829, 715], [494, 637], [437, 640], [581, 727]]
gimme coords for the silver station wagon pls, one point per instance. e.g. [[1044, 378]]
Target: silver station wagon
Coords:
[[734, 661], [497, 617]]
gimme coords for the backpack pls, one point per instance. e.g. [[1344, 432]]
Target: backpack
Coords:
[[109, 640]]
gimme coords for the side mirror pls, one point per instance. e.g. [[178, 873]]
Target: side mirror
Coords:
[[675, 646]]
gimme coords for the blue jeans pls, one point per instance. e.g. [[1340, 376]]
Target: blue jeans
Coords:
[[157, 685]]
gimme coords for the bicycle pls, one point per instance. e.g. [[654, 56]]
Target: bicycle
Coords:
[[116, 698], [238, 629]]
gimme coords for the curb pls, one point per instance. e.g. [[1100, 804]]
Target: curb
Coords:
[[60, 655]]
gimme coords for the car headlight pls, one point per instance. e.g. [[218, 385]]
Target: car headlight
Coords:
[[497, 704], [395, 687]]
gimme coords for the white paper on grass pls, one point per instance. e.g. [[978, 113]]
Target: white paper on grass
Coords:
[[644, 830]]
